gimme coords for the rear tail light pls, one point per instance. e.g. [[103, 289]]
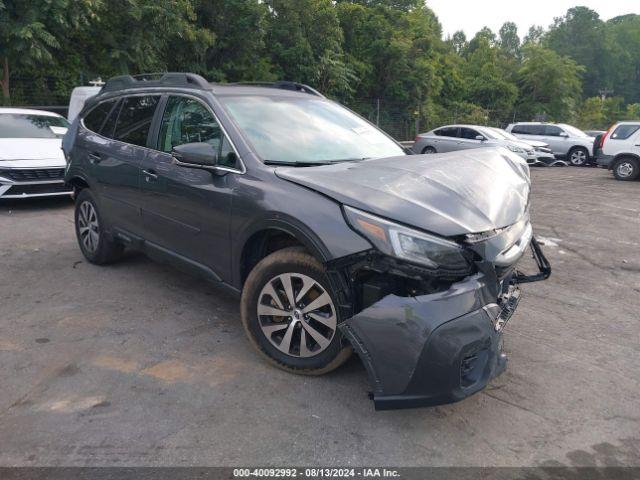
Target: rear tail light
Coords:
[[417, 139], [604, 137]]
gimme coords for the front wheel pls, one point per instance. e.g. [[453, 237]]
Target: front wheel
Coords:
[[579, 157], [290, 314], [626, 169]]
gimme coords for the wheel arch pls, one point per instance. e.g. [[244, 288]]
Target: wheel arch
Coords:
[[269, 236], [623, 155], [78, 183]]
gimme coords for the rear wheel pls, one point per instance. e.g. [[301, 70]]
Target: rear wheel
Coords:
[[626, 169], [290, 316], [578, 156], [429, 150], [90, 230]]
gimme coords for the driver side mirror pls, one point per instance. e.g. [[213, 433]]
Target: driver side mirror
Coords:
[[195, 155], [480, 137], [564, 135]]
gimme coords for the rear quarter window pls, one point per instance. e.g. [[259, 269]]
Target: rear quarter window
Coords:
[[96, 117], [623, 132]]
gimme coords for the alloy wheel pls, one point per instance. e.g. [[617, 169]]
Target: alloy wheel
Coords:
[[578, 157], [88, 226], [624, 169], [296, 314]]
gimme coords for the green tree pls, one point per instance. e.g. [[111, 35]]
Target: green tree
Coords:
[[31, 32], [633, 112], [239, 52], [550, 84], [305, 42], [459, 42], [623, 45], [581, 35], [509, 40], [487, 75]]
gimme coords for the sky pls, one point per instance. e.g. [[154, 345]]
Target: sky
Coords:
[[471, 15]]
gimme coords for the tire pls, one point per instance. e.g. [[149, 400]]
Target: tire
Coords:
[[93, 240], [429, 151], [626, 169], [280, 338], [578, 157]]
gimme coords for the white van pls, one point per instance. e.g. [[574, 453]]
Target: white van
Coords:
[[79, 96]]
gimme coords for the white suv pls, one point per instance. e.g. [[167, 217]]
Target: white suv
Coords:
[[564, 140], [620, 150]]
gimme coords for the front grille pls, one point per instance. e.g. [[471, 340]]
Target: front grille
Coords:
[[38, 188], [32, 174]]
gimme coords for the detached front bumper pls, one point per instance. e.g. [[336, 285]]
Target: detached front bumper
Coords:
[[439, 348]]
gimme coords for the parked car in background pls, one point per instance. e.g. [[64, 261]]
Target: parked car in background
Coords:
[[331, 235], [544, 155], [620, 150], [451, 138], [79, 97], [31, 160], [565, 141], [594, 133]]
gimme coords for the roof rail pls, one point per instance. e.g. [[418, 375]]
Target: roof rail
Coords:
[[283, 85], [144, 80]]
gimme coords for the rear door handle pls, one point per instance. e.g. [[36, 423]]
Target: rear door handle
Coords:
[[150, 175], [94, 158]]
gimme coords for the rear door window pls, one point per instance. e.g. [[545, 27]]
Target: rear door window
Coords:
[[96, 117], [447, 132], [134, 120], [528, 129], [623, 132]]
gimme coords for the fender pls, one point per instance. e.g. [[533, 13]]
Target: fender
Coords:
[[286, 224]]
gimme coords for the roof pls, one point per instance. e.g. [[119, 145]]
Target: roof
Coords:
[[29, 111]]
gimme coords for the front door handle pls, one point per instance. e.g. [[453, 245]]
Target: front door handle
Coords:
[[94, 158], [150, 175]]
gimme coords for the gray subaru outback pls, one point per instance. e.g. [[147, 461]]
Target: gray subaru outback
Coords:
[[333, 237]]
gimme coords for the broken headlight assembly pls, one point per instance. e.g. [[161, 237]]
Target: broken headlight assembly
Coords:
[[405, 243]]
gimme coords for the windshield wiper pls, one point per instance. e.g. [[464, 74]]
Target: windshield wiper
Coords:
[[295, 164], [312, 164]]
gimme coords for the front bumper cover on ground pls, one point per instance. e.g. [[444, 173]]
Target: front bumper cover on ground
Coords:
[[438, 348]]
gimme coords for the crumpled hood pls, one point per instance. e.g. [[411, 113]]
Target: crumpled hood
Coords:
[[448, 194], [31, 149]]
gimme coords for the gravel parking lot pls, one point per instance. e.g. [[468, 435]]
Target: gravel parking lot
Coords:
[[138, 364]]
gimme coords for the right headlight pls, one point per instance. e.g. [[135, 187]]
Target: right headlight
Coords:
[[408, 244]]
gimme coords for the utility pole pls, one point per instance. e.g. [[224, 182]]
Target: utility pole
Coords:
[[604, 93]]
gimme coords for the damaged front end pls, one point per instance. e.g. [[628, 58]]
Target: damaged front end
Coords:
[[429, 335]]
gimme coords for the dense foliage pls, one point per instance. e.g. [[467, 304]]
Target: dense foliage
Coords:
[[385, 58]]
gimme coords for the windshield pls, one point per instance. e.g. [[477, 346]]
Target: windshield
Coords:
[[19, 125], [307, 130], [573, 131]]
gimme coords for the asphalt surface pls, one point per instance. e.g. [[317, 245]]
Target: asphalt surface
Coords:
[[139, 364]]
